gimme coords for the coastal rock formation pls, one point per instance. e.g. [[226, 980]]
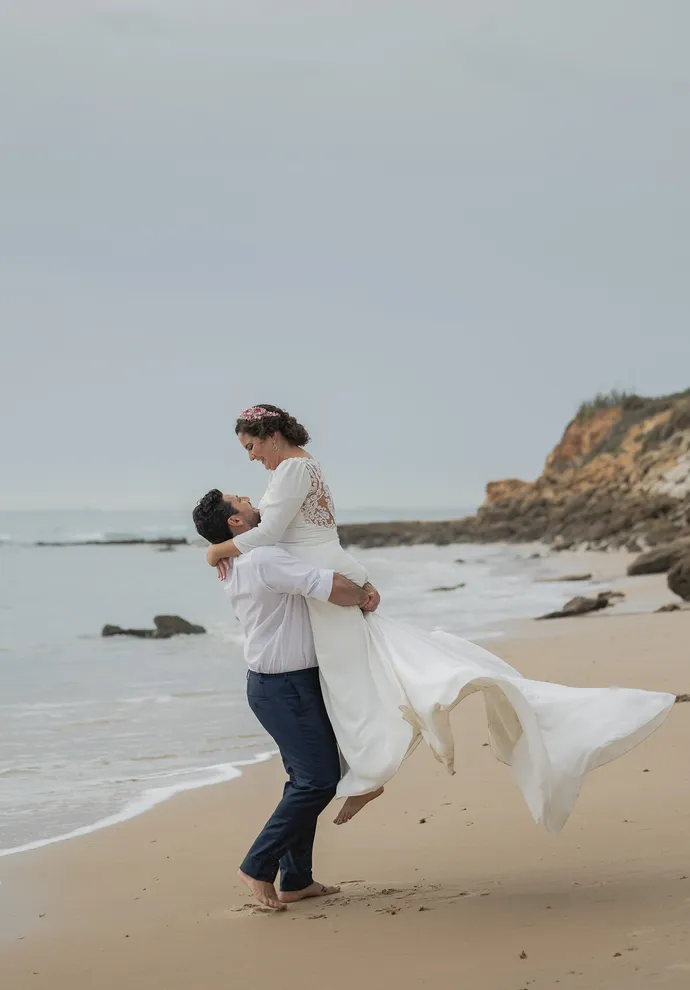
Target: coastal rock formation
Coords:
[[567, 578], [582, 606], [679, 578], [174, 625], [618, 478], [411, 533], [659, 560], [165, 542], [166, 626], [109, 630]]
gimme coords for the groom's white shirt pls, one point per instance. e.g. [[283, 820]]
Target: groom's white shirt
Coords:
[[267, 588]]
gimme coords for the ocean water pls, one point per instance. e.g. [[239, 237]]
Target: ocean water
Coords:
[[95, 730], [80, 525]]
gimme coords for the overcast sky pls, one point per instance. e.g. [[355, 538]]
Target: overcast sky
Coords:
[[428, 228]]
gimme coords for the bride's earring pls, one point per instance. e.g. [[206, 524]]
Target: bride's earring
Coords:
[[275, 445]]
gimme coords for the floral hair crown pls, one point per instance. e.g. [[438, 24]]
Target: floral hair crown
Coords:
[[256, 412]]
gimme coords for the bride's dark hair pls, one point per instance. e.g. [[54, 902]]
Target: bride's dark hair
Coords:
[[264, 420]]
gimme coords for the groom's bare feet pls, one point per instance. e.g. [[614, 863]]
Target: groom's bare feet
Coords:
[[313, 890], [265, 893], [355, 804]]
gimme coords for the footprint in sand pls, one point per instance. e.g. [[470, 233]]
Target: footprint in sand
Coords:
[[244, 911]]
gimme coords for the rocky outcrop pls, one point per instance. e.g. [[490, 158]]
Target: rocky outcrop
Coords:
[[619, 477], [659, 560], [174, 625], [497, 491], [166, 542], [109, 630], [566, 579], [166, 627], [679, 578], [412, 533], [583, 606]]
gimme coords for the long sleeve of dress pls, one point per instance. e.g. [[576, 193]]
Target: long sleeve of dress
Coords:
[[284, 498]]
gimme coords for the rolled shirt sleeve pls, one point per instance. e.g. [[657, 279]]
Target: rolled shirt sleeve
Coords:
[[285, 574], [284, 498]]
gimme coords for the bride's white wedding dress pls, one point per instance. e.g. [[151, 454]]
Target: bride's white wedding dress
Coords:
[[388, 685]]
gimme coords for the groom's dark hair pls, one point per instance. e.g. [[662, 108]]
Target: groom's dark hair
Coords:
[[211, 516]]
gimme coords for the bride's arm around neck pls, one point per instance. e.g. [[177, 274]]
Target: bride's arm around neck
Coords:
[[283, 500]]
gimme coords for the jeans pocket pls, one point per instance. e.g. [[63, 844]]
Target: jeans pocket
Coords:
[[256, 690]]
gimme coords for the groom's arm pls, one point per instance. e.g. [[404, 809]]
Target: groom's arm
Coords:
[[345, 592], [373, 598], [285, 574]]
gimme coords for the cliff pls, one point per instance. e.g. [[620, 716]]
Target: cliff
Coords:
[[619, 477]]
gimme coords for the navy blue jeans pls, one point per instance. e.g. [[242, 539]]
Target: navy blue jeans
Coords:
[[290, 707]]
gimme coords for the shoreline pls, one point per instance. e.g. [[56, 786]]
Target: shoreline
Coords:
[[154, 901], [145, 803], [643, 593]]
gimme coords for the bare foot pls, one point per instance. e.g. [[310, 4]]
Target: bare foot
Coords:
[[313, 890], [355, 804], [265, 893]]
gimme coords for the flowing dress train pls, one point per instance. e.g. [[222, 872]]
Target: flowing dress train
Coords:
[[387, 685]]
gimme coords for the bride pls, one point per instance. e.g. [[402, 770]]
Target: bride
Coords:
[[388, 685]]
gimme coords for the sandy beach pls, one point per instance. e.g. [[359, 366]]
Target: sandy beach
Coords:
[[446, 881]]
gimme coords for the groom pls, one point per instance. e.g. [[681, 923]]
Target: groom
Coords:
[[268, 587]]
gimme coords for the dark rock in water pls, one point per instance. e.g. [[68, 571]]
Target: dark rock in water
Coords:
[[449, 587], [166, 626], [568, 577], [459, 560], [679, 579], [119, 631], [167, 542], [173, 625], [671, 607], [681, 698], [659, 560], [582, 605], [407, 533]]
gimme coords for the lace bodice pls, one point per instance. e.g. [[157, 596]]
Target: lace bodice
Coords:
[[297, 508], [318, 508]]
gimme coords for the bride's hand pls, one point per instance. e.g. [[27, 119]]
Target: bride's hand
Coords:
[[223, 568], [374, 599]]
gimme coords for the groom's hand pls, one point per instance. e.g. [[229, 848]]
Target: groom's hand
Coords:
[[373, 600]]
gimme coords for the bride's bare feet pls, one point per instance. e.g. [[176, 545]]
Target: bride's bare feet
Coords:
[[313, 890], [355, 804], [265, 893]]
